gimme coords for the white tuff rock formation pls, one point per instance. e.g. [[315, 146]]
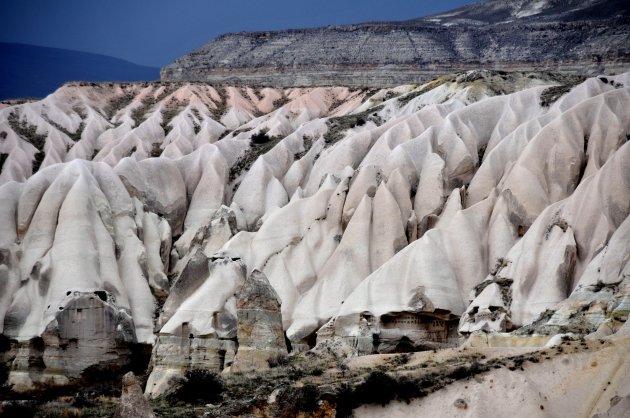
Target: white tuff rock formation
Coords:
[[395, 216]]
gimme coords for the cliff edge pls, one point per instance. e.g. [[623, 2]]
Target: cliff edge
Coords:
[[579, 36]]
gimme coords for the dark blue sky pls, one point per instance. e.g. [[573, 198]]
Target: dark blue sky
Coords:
[[154, 32]]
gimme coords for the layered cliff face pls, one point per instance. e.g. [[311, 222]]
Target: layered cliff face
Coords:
[[374, 221], [580, 36]]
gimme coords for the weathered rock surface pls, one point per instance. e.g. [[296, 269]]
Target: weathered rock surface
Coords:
[[585, 384], [578, 36], [482, 202], [259, 325], [88, 329], [133, 404], [199, 328], [173, 355]]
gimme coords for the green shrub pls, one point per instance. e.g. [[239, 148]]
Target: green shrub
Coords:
[[247, 159], [317, 371], [278, 360], [82, 400], [293, 400], [201, 386], [401, 359], [378, 388], [22, 409], [260, 137], [307, 398], [344, 400], [279, 102], [28, 132]]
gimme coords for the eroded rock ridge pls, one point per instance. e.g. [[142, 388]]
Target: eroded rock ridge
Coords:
[[225, 226]]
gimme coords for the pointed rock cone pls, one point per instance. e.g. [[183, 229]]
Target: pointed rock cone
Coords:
[[259, 329], [133, 404]]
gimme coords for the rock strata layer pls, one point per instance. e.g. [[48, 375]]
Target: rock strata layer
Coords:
[[579, 36]]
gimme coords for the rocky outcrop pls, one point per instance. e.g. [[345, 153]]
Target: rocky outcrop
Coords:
[[243, 337], [133, 404], [199, 330], [173, 355], [259, 330], [581, 36], [88, 330]]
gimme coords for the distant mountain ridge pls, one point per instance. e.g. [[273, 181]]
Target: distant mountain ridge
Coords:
[[576, 36], [502, 11], [35, 71]]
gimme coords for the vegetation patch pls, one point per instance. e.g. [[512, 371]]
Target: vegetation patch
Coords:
[[278, 360], [196, 120], [294, 400], [221, 106], [117, 103], [337, 126], [28, 132], [260, 137], [400, 359], [371, 91], [559, 222], [403, 100], [261, 143], [258, 93], [173, 408], [171, 109], [281, 101], [339, 389], [199, 386], [382, 388], [139, 113], [79, 111], [95, 381], [530, 329], [551, 94], [74, 136], [305, 384], [68, 407], [307, 143]]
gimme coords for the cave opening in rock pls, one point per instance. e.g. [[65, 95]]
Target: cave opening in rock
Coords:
[[311, 339], [102, 295]]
